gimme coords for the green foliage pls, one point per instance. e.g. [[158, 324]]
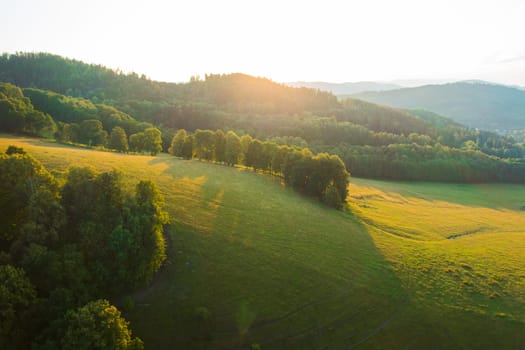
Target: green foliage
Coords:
[[118, 139], [177, 143], [18, 115], [204, 144], [245, 140], [75, 111], [187, 148], [137, 142], [146, 226], [254, 155], [16, 295], [152, 141], [112, 117], [91, 132], [62, 108], [14, 150], [21, 176], [98, 325], [121, 238], [331, 197], [87, 239], [232, 151], [430, 163], [220, 146], [75, 78], [310, 174]]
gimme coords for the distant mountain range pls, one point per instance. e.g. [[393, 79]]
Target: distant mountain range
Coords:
[[476, 104], [351, 88], [344, 89]]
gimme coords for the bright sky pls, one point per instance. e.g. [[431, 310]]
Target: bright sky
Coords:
[[321, 40]]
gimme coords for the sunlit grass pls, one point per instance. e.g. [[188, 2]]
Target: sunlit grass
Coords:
[[435, 211], [481, 268]]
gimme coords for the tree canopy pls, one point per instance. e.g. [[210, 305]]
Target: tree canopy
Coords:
[[69, 241]]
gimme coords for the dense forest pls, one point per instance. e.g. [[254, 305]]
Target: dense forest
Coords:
[[67, 244], [91, 104]]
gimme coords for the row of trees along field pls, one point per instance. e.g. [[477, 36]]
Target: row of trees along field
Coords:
[[65, 245], [322, 176], [81, 121], [430, 162]]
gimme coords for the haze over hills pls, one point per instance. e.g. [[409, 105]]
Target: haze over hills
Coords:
[[340, 89], [350, 88], [473, 103]]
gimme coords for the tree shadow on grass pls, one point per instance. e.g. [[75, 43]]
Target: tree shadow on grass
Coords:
[[310, 276]]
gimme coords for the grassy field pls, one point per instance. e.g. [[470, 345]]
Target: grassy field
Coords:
[[408, 266], [459, 246]]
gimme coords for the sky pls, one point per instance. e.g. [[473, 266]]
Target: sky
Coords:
[[326, 40]]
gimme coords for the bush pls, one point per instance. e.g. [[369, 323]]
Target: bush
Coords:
[[13, 149]]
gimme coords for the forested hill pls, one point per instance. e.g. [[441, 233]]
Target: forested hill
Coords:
[[238, 101], [82, 103], [233, 92], [475, 104], [78, 79]]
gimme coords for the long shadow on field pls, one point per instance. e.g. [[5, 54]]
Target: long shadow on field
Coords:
[[271, 267]]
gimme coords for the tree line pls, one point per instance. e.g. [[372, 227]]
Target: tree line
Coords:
[[47, 114], [106, 99], [68, 243], [321, 176], [415, 162]]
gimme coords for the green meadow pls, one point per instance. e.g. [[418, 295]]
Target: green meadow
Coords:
[[404, 266]]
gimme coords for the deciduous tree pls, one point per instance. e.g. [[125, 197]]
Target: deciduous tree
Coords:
[[177, 143], [98, 325], [118, 139], [232, 153], [152, 141]]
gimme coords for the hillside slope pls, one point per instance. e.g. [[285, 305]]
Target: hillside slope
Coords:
[[272, 267], [479, 105]]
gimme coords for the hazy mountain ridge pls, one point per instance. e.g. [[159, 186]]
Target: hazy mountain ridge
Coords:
[[476, 104], [341, 89]]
